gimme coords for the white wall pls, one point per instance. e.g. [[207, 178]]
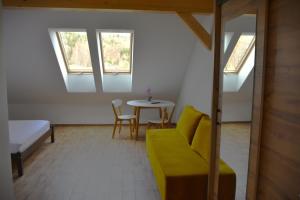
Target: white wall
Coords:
[[6, 191], [196, 87], [73, 113], [238, 93], [35, 84], [237, 106]]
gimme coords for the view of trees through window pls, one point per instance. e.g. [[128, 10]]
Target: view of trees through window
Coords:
[[240, 53], [116, 52], [76, 51]]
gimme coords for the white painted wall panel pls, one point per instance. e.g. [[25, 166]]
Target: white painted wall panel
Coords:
[[162, 48], [6, 190], [197, 85], [237, 106], [74, 113]]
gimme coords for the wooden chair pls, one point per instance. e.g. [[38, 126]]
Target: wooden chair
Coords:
[[166, 115], [119, 117]]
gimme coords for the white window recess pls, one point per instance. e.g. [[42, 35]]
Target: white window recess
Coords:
[[115, 48], [233, 80], [78, 78]]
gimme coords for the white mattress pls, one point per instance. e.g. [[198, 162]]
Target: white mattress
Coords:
[[23, 133]]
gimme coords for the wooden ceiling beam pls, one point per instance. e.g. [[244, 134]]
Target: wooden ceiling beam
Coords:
[[193, 6], [197, 28]]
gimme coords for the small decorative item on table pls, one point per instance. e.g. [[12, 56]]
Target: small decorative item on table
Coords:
[[149, 96]]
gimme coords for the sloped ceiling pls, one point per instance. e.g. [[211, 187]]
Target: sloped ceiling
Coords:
[[162, 49]]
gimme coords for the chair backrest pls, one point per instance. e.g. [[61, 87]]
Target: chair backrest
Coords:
[[169, 111], [117, 105]]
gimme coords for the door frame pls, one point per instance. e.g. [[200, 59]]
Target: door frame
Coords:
[[224, 11]]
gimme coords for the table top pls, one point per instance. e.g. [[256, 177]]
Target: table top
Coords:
[[155, 103]]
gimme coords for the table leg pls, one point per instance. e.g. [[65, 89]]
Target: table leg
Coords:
[[135, 113], [160, 113], [137, 122], [162, 117]]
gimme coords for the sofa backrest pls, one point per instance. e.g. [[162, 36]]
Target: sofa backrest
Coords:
[[188, 122], [201, 140]]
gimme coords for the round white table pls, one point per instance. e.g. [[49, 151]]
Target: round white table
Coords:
[[140, 104]]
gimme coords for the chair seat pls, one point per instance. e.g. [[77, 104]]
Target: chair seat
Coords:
[[125, 117]]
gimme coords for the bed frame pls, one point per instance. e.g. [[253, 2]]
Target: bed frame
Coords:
[[19, 157]]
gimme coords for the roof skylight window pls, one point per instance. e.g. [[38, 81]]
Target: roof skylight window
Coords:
[[240, 53], [116, 51], [75, 50]]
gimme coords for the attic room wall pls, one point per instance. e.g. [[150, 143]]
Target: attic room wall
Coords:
[[237, 106], [6, 191], [196, 87], [36, 90]]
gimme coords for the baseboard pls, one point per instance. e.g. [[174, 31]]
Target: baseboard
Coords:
[[65, 125], [237, 122], [80, 125]]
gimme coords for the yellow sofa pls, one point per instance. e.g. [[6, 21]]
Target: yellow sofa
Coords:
[[179, 159]]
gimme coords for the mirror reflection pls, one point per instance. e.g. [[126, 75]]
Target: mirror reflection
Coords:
[[238, 72]]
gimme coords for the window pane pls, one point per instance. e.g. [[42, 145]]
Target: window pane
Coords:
[[76, 51], [239, 53], [116, 51]]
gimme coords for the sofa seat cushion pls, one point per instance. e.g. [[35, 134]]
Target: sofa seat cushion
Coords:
[[175, 154], [180, 172]]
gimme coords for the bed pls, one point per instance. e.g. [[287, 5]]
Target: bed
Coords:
[[25, 136]]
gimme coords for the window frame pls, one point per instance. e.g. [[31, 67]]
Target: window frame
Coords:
[[244, 58], [101, 49], [63, 52]]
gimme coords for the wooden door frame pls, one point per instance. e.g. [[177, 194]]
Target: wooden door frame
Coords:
[[225, 11]]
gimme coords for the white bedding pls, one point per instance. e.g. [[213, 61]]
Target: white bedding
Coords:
[[23, 133]]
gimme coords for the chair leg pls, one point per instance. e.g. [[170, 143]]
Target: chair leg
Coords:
[[148, 125], [138, 112], [134, 120], [130, 128], [115, 127], [160, 112], [120, 126], [133, 125], [162, 118]]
